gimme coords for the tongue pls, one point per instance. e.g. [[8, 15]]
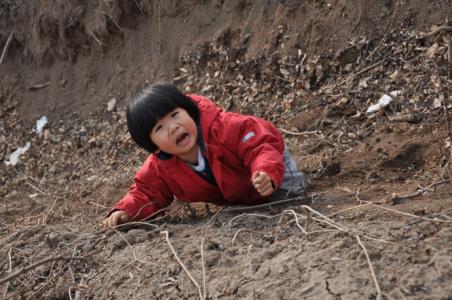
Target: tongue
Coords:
[[181, 138]]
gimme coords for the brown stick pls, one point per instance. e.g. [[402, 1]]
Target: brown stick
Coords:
[[203, 268], [446, 94], [449, 55], [38, 86], [201, 295], [5, 49], [37, 264], [374, 277], [436, 31]]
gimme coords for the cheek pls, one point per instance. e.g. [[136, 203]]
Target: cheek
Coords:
[[156, 138]]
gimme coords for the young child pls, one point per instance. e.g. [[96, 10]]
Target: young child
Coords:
[[201, 154]]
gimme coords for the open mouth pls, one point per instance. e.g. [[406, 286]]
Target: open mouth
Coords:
[[181, 139]]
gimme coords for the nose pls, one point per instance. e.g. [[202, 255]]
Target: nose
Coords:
[[173, 128]]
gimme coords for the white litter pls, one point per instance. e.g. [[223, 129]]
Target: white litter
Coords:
[[14, 157], [40, 124], [383, 102], [111, 104]]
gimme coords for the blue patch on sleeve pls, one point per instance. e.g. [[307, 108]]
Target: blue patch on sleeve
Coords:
[[248, 136]]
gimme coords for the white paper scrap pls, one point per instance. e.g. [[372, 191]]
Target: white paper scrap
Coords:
[[14, 157], [383, 102], [40, 124]]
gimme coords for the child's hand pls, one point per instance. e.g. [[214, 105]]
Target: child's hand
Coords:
[[262, 183], [116, 218]]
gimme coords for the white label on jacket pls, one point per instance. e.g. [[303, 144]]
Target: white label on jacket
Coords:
[[248, 136]]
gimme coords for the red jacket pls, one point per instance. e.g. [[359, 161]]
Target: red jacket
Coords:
[[236, 147]]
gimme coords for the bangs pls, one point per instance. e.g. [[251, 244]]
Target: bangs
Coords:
[[150, 113], [151, 105]]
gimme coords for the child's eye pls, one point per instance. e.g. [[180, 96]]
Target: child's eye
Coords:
[[175, 113], [157, 128]]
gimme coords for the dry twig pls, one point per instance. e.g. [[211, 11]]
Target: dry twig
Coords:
[[182, 265], [246, 230], [5, 49], [370, 266], [298, 133], [405, 213], [203, 269], [435, 32], [37, 264]]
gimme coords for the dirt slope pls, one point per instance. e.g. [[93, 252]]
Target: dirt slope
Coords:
[[375, 223]]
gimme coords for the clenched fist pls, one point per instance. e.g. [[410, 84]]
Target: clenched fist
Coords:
[[262, 183]]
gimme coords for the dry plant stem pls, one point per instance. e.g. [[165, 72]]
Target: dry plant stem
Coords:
[[10, 270], [377, 286], [333, 224], [446, 100], [308, 220], [298, 133], [127, 242], [39, 86], [347, 209], [182, 264], [449, 56], [246, 230], [213, 217], [203, 269], [37, 264], [5, 49], [360, 72], [436, 31], [296, 220], [404, 213], [160, 31], [239, 208]]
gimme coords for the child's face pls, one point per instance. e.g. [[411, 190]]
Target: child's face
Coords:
[[176, 134]]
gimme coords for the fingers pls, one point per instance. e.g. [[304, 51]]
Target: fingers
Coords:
[[259, 177], [266, 192], [116, 218], [262, 183]]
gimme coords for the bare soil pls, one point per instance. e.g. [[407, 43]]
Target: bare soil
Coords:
[[375, 222]]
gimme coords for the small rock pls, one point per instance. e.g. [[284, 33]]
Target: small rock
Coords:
[[111, 104]]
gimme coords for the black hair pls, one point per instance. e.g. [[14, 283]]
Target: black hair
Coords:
[[152, 104]]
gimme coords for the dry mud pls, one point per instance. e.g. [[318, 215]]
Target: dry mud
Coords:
[[375, 222]]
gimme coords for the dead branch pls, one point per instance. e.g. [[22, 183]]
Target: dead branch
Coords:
[[10, 270], [5, 49], [449, 56], [298, 133], [338, 226], [370, 266], [405, 213], [435, 32], [300, 198], [38, 86], [246, 230], [360, 72], [347, 209], [296, 220], [203, 269], [182, 264], [37, 264], [446, 96]]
